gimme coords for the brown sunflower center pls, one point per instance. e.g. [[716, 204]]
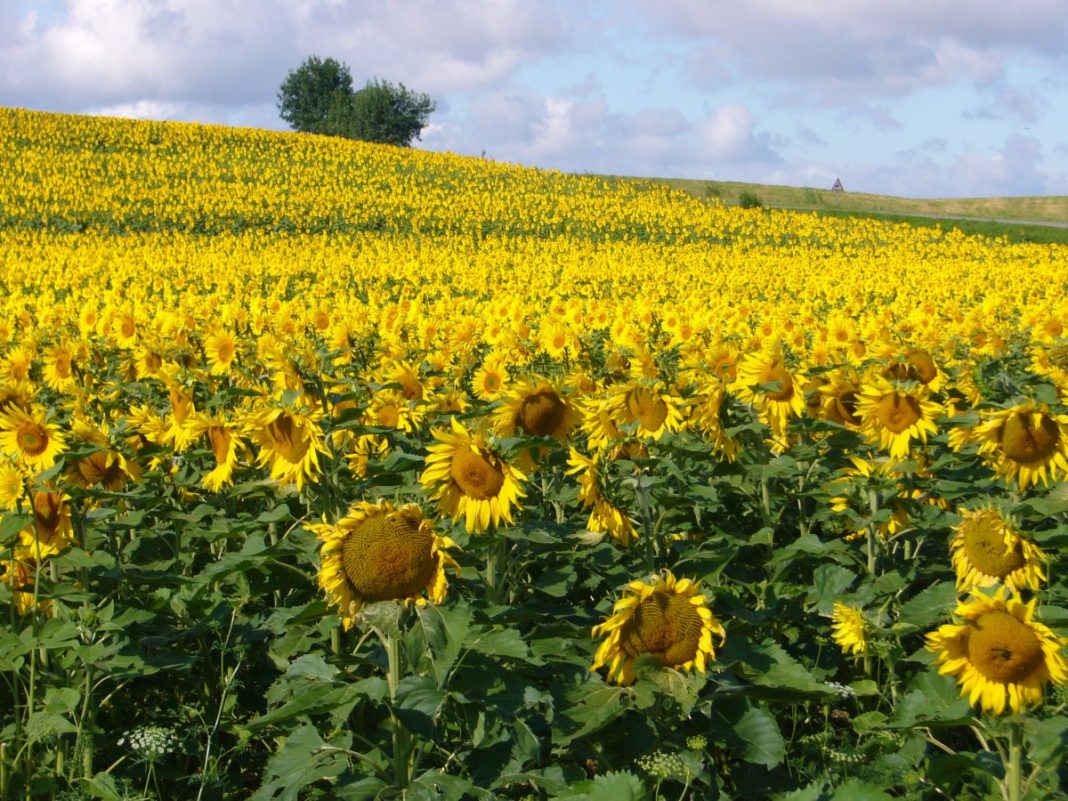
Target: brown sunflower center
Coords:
[[286, 440], [388, 556], [896, 412], [32, 439], [1003, 649], [542, 413], [648, 408], [62, 365], [665, 625], [475, 475], [226, 351], [48, 511], [776, 374], [984, 545], [101, 468], [388, 416], [1025, 443], [491, 382], [220, 443]]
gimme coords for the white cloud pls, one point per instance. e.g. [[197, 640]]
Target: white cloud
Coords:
[[729, 135], [839, 45]]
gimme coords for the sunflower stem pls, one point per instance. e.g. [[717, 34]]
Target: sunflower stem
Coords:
[[401, 743], [496, 566], [1013, 773]]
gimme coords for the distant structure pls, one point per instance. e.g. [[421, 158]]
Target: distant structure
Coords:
[[837, 185]]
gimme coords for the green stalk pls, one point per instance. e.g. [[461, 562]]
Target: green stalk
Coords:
[[401, 742], [496, 566], [1013, 772], [873, 501]]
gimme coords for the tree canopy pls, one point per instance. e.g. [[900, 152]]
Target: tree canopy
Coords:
[[317, 97]]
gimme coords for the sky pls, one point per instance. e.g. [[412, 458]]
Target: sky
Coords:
[[916, 98]]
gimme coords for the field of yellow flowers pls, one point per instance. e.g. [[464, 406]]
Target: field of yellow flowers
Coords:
[[336, 471]]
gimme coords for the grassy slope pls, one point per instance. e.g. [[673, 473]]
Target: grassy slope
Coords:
[[970, 215], [1038, 209]]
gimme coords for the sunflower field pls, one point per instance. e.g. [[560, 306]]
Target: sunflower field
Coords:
[[337, 471]]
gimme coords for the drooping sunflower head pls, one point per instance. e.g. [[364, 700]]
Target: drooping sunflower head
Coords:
[[1027, 443], [290, 441], [604, 515], [537, 408], [840, 396], [381, 553], [468, 479], [664, 617], [916, 364], [649, 409], [1001, 657], [987, 549]]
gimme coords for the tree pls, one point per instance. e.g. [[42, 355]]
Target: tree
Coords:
[[311, 94], [317, 97], [393, 115]]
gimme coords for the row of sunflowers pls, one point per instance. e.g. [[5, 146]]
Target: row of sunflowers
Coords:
[[332, 470]]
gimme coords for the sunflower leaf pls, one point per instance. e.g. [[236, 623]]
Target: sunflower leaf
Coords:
[[764, 744], [929, 606]]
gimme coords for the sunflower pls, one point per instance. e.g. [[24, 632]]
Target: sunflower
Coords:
[[662, 617], [468, 479], [604, 516], [891, 416], [849, 628], [220, 348], [649, 408], [537, 408], [381, 553], [50, 532], [1000, 655], [490, 379], [11, 486], [839, 404], [988, 549], [225, 441], [290, 441], [1027, 443], [18, 574], [598, 424], [707, 413], [916, 364], [764, 382], [30, 438], [58, 368]]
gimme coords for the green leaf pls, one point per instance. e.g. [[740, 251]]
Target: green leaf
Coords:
[[859, 790], [930, 606], [592, 712], [11, 524], [500, 643], [622, 786], [764, 744], [829, 584], [444, 630], [303, 758], [418, 702], [46, 725]]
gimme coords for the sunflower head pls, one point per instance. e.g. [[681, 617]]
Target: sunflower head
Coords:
[[468, 479], [1001, 657], [1026, 443], [987, 549], [30, 438], [892, 416], [664, 617], [381, 553], [849, 628], [539, 409]]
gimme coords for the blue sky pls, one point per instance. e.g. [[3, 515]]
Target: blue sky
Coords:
[[920, 98]]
